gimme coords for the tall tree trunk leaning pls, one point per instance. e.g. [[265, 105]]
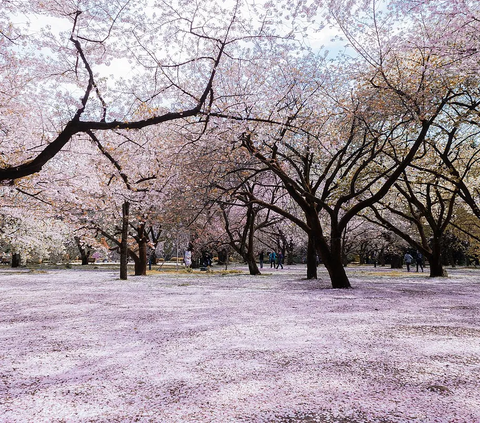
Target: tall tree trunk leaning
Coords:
[[332, 259], [248, 255], [123, 244], [330, 251]]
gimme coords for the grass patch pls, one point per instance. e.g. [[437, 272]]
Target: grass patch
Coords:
[[195, 272], [387, 273]]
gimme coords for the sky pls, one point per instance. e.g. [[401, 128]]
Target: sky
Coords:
[[317, 39]]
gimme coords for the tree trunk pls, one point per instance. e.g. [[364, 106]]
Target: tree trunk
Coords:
[[289, 253], [435, 261], [123, 244], [396, 261], [137, 266], [15, 259], [363, 258], [311, 258], [338, 274], [84, 252], [222, 256], [334, 264], [227, 258], [250, 255], [253, 267], [437, 270], [142, 257], [136, 262]]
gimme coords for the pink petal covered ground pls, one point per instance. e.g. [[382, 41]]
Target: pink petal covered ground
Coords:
[[81, 346]]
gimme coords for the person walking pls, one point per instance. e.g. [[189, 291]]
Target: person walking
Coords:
[[280, 260], [419, 260], [408, 260], [151, 259], [261, 259], [272, 258]]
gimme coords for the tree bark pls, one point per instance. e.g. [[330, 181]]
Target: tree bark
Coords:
[[123, 244], [250, 255], [84, 252], [136, 263], [396, 261], [15, 259], [222, 256], [252, 266], [435, 260], [331, 252], [142, 255], [311, 258], [437, 270], [337, 274], [289, 253], [334, 263], [247, 254]]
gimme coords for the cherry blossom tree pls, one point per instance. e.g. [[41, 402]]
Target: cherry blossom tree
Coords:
[[171, 53], [27, 235], [335, 135], [89, 190], [466, 230], [420, 211], [244, 220], [363, 240], [379, 108]]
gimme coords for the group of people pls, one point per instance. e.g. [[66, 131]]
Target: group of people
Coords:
[[409, 259], [275, 259]]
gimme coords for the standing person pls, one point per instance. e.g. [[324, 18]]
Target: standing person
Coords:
[[187, 258], [261, 259], [273, 258], [280, 260], [419, 260], [150, 260], [408, 260]]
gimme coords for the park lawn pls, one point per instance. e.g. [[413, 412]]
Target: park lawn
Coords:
[[83, 346]]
